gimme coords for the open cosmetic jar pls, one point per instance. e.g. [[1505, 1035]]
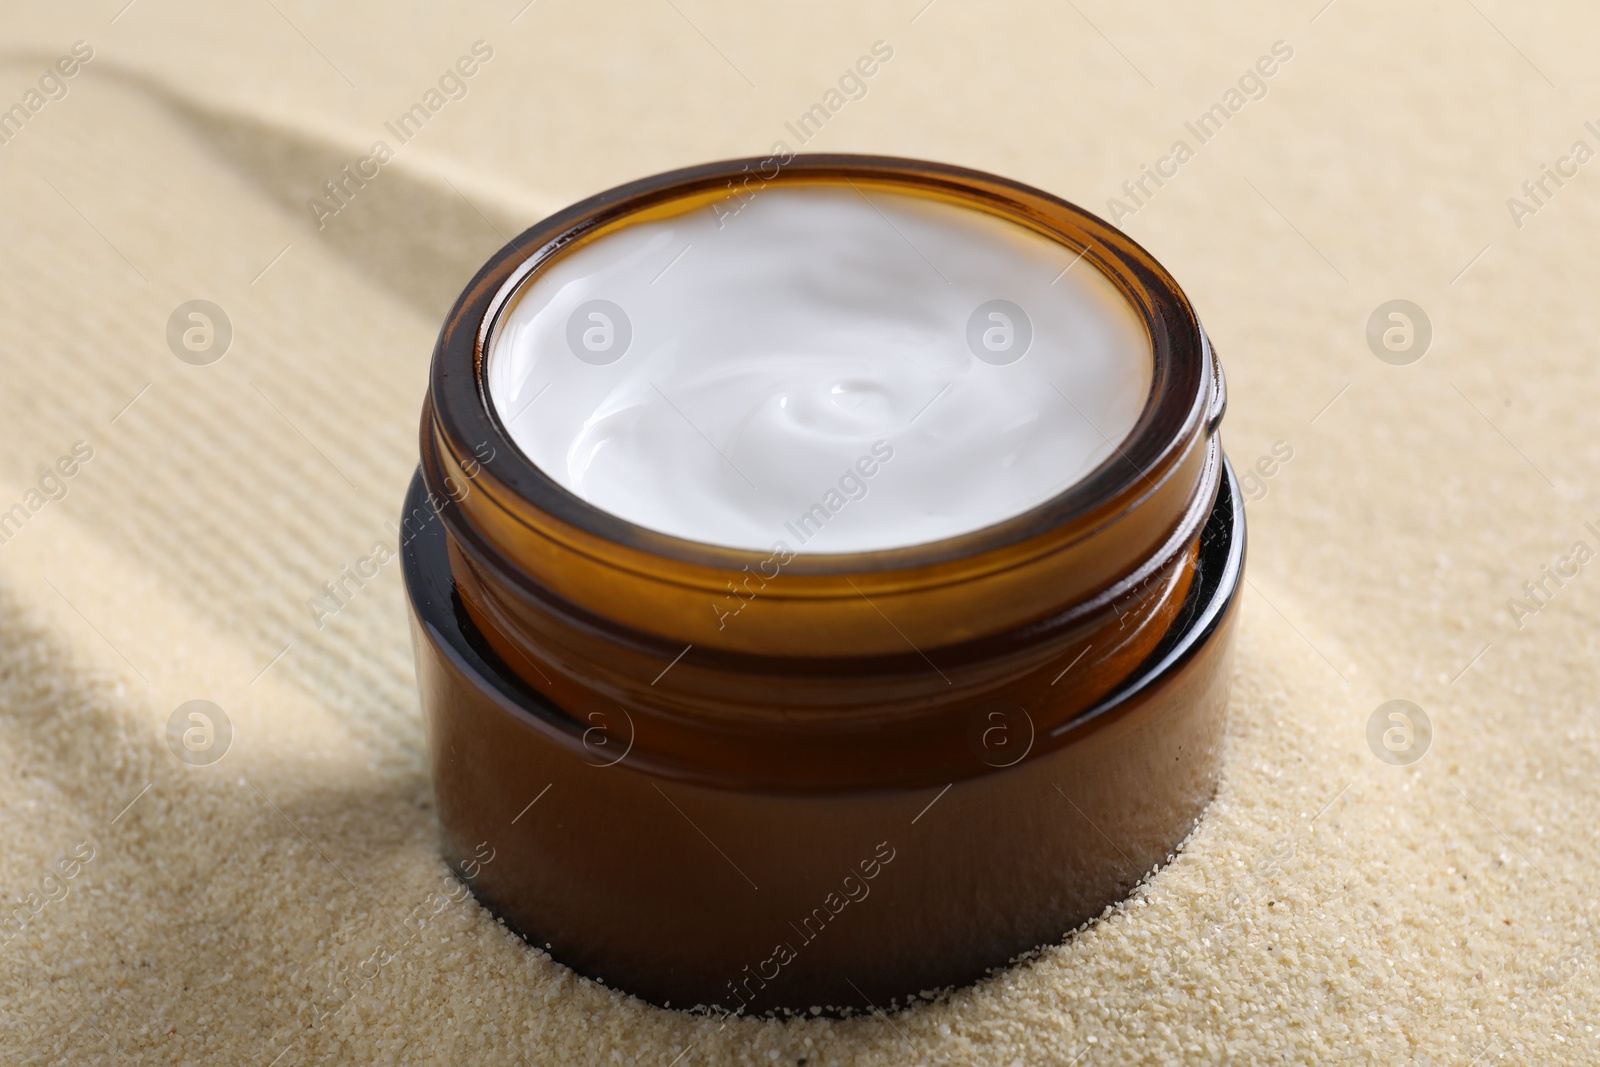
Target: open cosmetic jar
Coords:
[[822, 576]]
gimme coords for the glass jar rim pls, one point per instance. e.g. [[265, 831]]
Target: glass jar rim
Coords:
[[1185, 400]]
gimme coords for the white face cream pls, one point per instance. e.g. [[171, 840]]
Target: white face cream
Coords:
[[832, 369]]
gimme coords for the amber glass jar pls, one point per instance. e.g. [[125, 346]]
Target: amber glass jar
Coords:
[[956, 751]]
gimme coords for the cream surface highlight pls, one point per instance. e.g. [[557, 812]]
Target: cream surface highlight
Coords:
[[830, 369]]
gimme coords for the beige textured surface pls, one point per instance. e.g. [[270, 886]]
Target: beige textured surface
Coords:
[[1331, 908]]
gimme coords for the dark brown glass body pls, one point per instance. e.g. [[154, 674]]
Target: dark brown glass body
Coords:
[[884, 771]]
